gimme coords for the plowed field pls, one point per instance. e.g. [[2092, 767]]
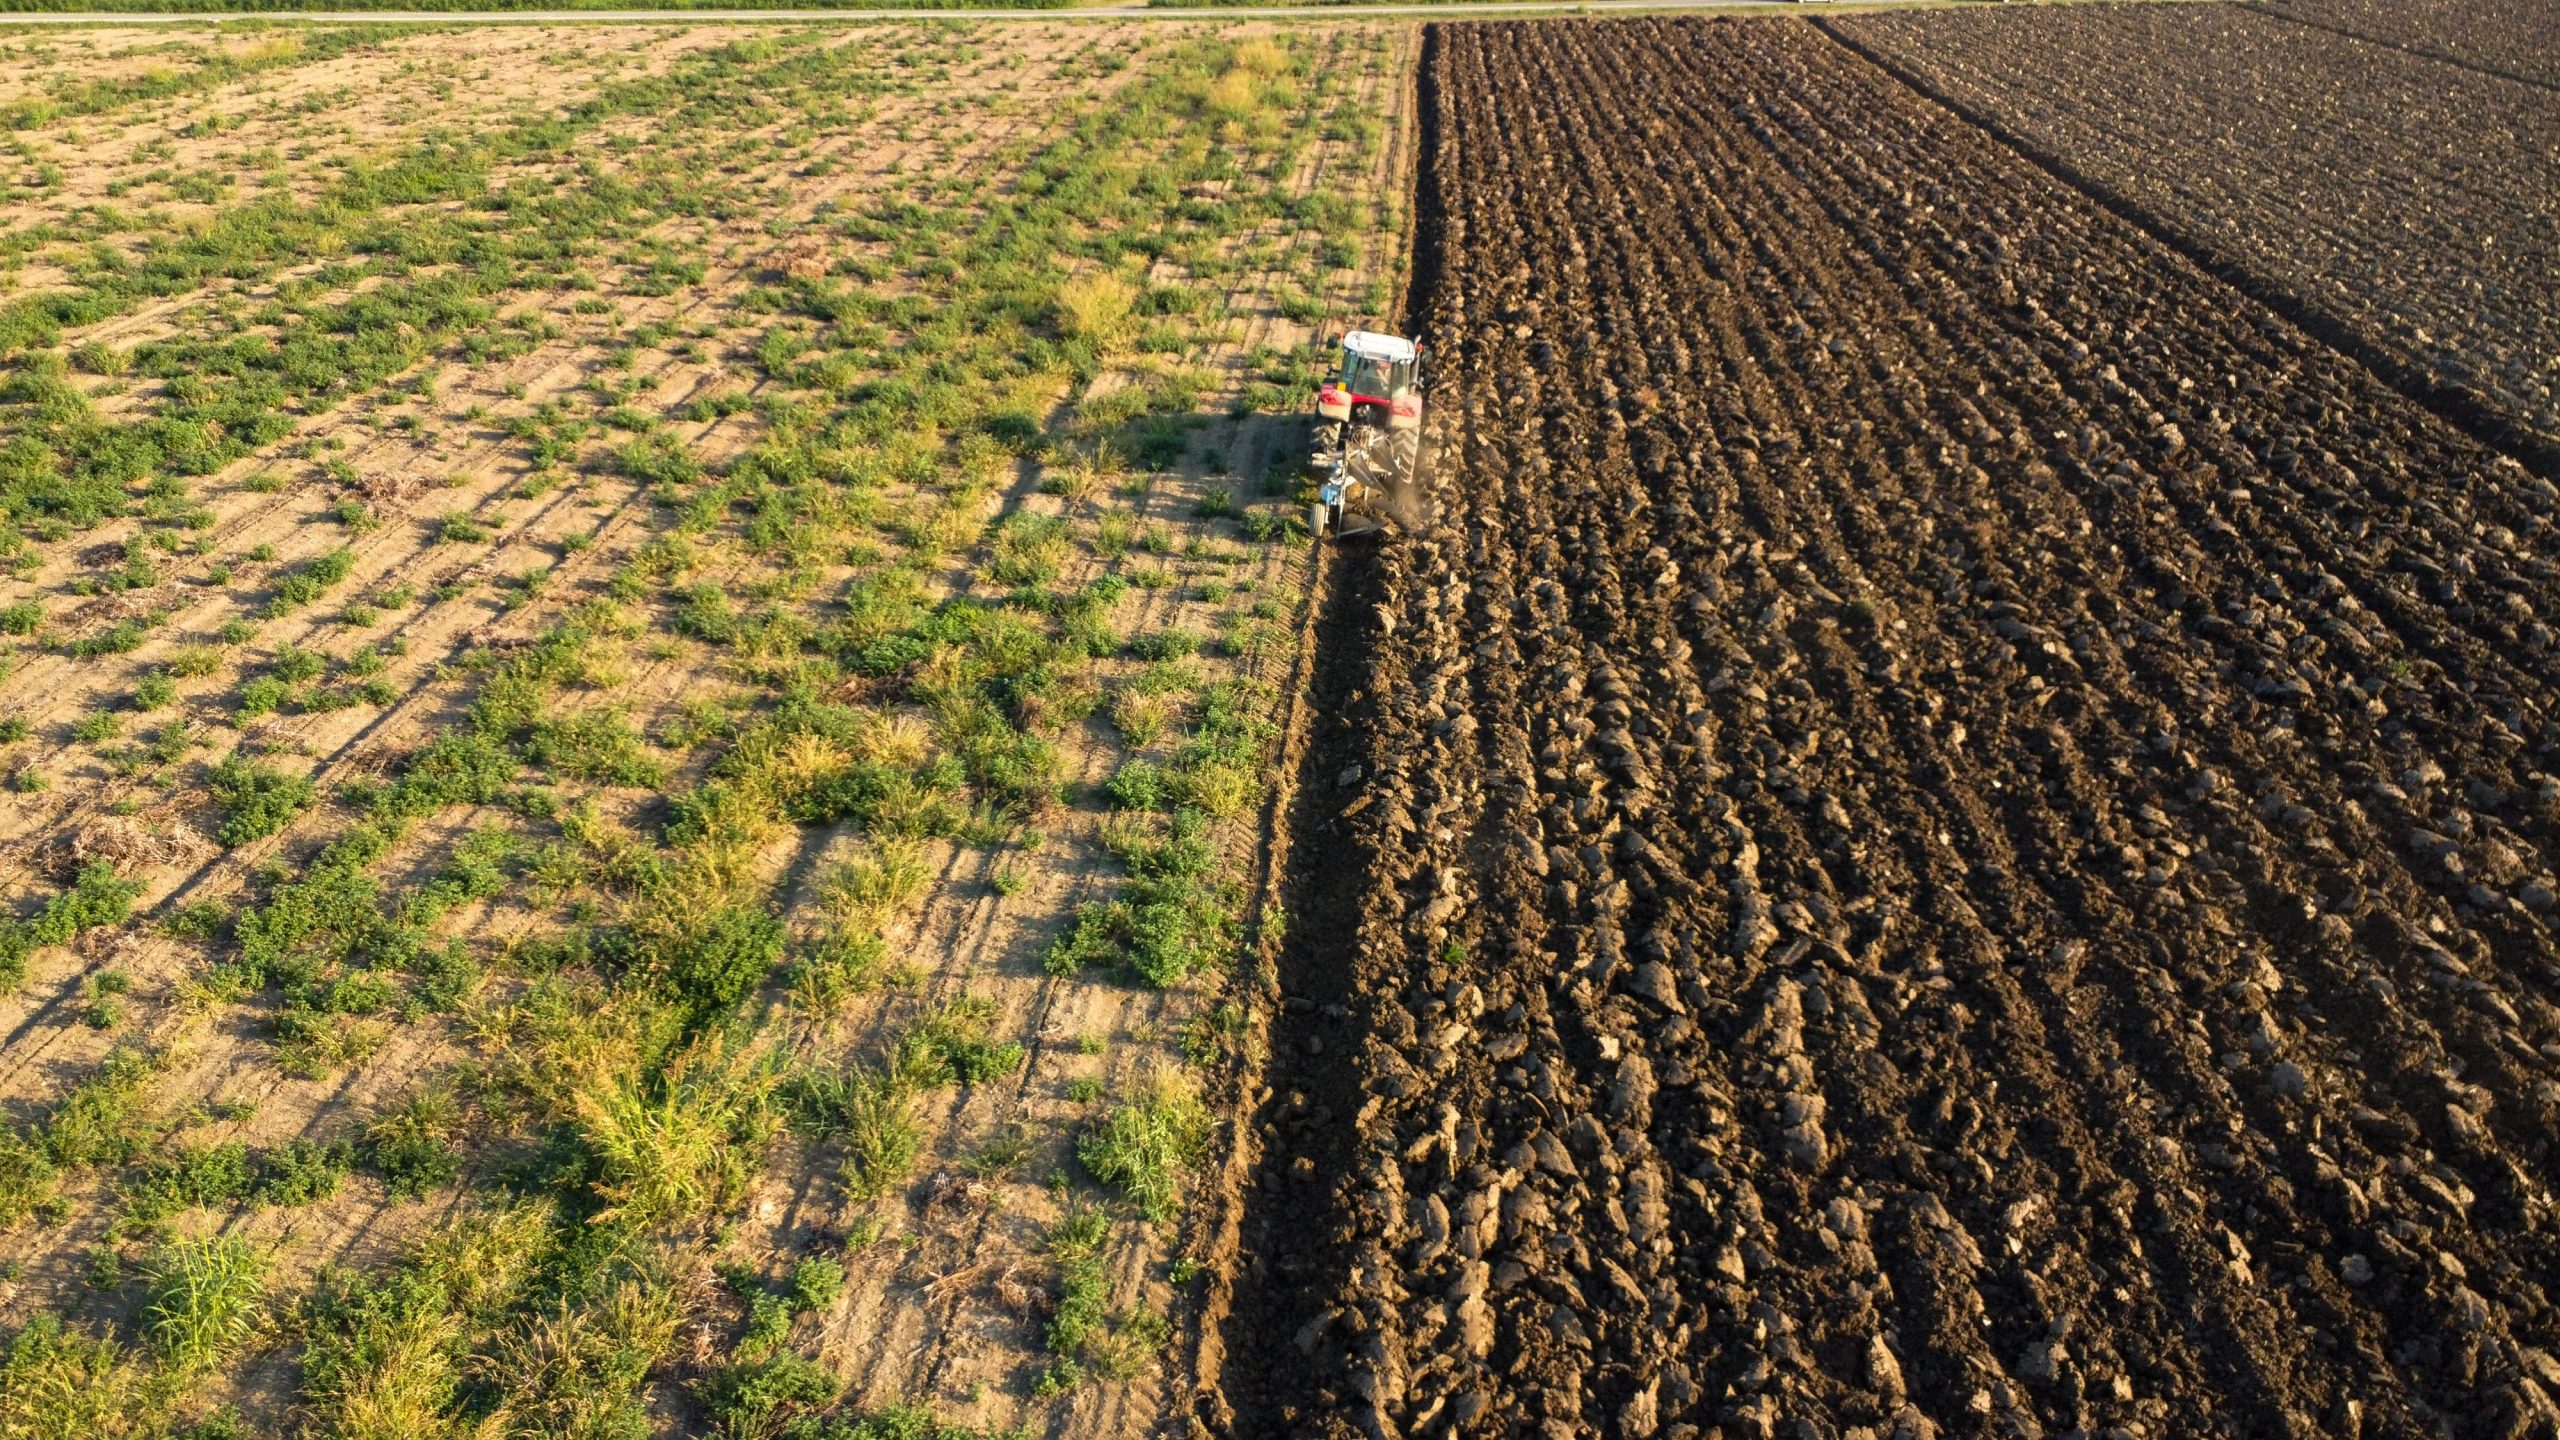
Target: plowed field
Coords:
[[1951, 837], [2517, 38], [2404, 202]]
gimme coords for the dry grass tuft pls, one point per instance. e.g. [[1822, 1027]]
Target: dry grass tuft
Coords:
[[1096, 308]]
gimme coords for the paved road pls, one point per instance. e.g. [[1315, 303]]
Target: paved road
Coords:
[[1095, 12]]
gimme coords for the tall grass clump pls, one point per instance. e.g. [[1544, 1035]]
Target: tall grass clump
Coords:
[[206, 1296], [57, 1382], [1143, 1146], [874, 1111], [385, 1356], [674, 1145], [861, 898]]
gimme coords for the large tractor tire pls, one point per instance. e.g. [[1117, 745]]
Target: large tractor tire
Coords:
[[1406, 495]]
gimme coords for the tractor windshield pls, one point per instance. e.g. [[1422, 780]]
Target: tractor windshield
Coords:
[[1363, 375]]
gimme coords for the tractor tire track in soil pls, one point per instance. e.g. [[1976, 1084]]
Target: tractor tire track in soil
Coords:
[[1953, 836]]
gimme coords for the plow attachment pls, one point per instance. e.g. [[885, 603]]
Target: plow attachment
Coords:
[[1373, 476]]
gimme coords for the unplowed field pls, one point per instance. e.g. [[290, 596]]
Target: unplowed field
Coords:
[[636, 675], [2406, 206], [1953, 837]]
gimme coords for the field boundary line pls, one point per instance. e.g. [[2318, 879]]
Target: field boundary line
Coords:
[[2405, 378], [1420, 9], [1219, 1238], [1307, 852], [2414, 51]]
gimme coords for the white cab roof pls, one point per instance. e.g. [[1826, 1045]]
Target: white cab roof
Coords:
[[1370, 345]]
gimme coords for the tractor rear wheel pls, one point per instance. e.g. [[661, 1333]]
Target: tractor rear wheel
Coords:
[[1404, 493], [1404, 448]]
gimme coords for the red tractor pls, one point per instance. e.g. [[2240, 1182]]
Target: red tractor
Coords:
[[1368, 433]]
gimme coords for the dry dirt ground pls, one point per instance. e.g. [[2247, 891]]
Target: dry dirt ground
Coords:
[[1954, 836], [754, 540]]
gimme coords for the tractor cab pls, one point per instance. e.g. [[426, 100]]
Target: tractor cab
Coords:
[[1379, 382]]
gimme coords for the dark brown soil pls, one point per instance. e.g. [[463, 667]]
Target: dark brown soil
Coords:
[[2515, 38], [1953, 836], [2404, 204]]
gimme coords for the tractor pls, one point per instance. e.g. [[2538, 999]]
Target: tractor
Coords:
[[1368, 440]]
